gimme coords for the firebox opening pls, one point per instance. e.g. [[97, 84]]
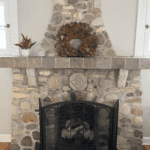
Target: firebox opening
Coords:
[[76, 127]]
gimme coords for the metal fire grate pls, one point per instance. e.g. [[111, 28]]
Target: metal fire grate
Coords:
[[78, 125]]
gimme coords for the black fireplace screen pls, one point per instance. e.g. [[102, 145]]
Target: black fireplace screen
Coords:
[[78, 125]]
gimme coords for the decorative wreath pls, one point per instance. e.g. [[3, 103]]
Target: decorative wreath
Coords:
[[76, 39]]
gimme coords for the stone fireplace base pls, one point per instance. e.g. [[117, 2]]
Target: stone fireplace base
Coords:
[[107, 84]]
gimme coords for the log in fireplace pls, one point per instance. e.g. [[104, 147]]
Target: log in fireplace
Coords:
[[78, 125]]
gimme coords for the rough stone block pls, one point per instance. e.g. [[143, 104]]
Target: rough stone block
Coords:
[[122, 78], [48, 62], [32, 81], [144, 63], [90, 63], [19, 95], [132, 63], [18, 77], [7, 62], [34, 62], [103, 63], [62, 62], [21, 62], [76, 62], [118, 63], [78, 81]]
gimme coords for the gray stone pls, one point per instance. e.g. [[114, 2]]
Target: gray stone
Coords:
[[62, 62], [127, 135], [101, 39], [138, 133], [139, 147], [111, 97], [144, 63], [26, 141], [31, 126], [130, 94], [111, 75], [125, 120], [132, 63], [135, 84], [133, 141], [52, 93], [65, 96], [76, 63], [126, 124], [66, 88], [119, 131], [113, 90], [72, 1], [37, 146], [108, 44], [81, 6], [97, 22], [50, 35], [27, 149], [78, 81], [106, 84], [132, 73], [15, 147], [122, 78], [36, 135], [76, 43], [118, 63], [56, 18], [48, 62], [103, 63]]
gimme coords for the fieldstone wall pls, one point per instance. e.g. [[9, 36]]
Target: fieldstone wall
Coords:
[[57, 85], [67, 11]]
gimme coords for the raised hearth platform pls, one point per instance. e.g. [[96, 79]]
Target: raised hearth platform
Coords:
[[75, 62]]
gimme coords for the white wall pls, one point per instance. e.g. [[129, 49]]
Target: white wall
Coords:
[[5, 100], [120, 22]]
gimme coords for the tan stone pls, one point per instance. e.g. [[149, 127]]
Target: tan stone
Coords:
[[136, 105], [88, 16], [137, 111], [15, 83], [42, 79], [16, 133], [27, 88], [18, 89], [14, 102], [55, 82], [78, 15], [36, 104], [101, 29], [66, 13], [65, 80], [95, 11], [113, 90], [90, 5], [14, 118], [53, 100], [138, 119], [138, 99], [111, 97], [28, 116], [18, 77], [34, 95], [137, 78], [124, 109], [126, 89], [100, 100], [90, 96], [19, 95], [106, 84], [97, 75], [61, 2], [135, 84], [16, 111], [15, 70], [44, 73], [68, 7], [25, 106], [65, 96], [90, 88]]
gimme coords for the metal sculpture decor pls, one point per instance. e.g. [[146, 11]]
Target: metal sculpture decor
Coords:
[[78, 125], [76, 40]]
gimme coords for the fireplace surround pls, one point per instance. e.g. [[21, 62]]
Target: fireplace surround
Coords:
[[100, 80], [93, 125]]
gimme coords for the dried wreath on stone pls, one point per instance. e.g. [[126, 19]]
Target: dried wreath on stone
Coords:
[[76, 39]]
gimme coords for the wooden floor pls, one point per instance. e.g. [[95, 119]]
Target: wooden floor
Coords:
[[7, 146]]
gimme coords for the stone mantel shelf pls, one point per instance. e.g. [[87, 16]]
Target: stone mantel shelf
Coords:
[[76, 62]]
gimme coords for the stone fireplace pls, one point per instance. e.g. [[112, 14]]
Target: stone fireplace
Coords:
[[102, 79]]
